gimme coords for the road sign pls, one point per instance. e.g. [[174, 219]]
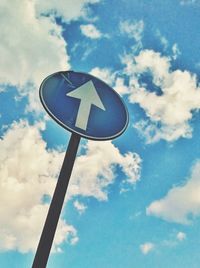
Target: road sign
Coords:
[[88, 108], [84, 104]]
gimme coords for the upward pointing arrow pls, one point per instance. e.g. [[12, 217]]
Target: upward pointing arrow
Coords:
[[88, 95]]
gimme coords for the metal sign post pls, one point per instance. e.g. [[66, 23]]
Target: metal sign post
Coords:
[[47, 236], [89, 108]]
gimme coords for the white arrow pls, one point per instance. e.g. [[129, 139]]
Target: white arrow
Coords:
[[88, 95]]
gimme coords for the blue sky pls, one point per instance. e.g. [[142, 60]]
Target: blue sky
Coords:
[[132, 202]]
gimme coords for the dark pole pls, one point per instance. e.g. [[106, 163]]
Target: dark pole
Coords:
[[47, 236]]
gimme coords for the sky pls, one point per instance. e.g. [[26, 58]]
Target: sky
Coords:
[[133, 201]]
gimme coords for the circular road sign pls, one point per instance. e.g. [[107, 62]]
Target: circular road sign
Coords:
[[84, 104]]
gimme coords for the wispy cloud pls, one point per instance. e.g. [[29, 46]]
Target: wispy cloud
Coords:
[[91, 31], [79, 206], [181, 236], [133, 29], [162, 39], [173, 241], [147, 247], [176, 51]]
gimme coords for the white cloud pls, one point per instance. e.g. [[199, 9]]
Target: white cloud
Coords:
[[181, 236], [68, 10], [28, 173], [147, 247], [162, 39], [90, 31], [113, 79], [148, 60], [182, 203], [132, 29], [153, 132], [176, 51], [173, 241], [2, 89], [103, 159], [170, 112], [121, 87], [104, 74], [32, 45], [80, 206]]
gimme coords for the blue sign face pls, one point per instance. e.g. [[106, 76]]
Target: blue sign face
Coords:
[[84, 104]]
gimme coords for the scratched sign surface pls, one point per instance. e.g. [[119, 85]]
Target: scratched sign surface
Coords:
[[84, 104]]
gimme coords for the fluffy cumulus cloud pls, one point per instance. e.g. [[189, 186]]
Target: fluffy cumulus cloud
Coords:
[[103, 158], [182, 203], [147, 247], [90, 31], [169, 109], [32, 45], [28, 174]]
